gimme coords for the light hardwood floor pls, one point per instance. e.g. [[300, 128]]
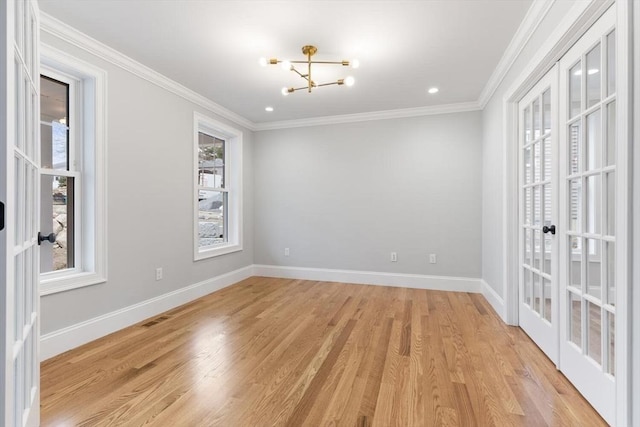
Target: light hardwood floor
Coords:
[[284, 352]]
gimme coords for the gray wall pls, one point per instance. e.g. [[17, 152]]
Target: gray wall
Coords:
[[345, 196], [493, 145], [149, 200]]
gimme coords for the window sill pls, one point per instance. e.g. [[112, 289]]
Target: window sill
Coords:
[[216, 251], [67, 283]]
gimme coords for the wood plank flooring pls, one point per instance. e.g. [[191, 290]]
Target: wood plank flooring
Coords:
[[279, 352]]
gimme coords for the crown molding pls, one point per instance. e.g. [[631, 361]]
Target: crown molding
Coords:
[[528, 26], [65, 32], [530, 23], [373, 115]]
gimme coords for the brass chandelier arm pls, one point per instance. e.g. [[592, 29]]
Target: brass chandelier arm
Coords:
[[345, 63], [337, 82], [309, 51]]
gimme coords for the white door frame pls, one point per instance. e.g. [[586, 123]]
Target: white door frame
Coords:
[[6, 130], [635, 297], [578, 20]]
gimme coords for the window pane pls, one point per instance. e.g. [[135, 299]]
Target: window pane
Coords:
[[527, 246], [611, 63], [537, 162], [537, 292], [593, 76], [527, 287], [546, 111], [594, 332], [19, 123], [546, 309], [536, 118], [527, 165], [54, 122], [611, 204], [537, 249], [527, 124], [57, 211], [537, 218], [18, 290], [611, 273], [546, 265], [575, 313], [575, 83], [527, 206], [611, 134], [594, 268], [211, 156], [575, 209], [546, 166], [594, 140], [575, 148], [212, 207], [611, 322], [575, 257], [593, 204], [19, 197]]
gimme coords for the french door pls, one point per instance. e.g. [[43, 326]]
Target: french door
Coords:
[[587, 119], [538, 140], [567, 190], [19, 192]]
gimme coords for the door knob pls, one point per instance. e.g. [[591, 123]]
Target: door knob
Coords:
[[551, 229], [50, 238]]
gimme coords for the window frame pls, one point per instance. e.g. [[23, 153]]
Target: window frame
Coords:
[[232, 186], [87, 148], [74, 162]]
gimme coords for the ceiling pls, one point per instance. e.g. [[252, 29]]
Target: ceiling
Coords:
[[404, 47]]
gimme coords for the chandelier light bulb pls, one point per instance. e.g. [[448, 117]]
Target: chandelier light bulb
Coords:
[[286, 65], [263, 62], [349, 81], [355, 63], [285, 91]]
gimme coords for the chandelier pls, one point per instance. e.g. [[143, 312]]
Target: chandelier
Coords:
[[309, 51]]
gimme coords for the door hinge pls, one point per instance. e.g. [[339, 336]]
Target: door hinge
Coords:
[[1, 216]]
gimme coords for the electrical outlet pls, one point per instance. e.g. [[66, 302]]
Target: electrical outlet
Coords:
[[394, 257], [158, 273], [286, 251], [432, 258]]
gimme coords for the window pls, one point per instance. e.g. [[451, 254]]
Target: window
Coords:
[[72, 173], [218, 188]]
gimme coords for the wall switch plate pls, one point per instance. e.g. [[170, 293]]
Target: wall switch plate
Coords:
[[394, 257], [286, 251], [158, 273], [432, 258]]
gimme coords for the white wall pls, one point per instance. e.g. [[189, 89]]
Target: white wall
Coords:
[[150, 200], [493, 146], [344, 196]]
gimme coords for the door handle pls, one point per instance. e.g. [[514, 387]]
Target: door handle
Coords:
[[42, 238], [551, 229]]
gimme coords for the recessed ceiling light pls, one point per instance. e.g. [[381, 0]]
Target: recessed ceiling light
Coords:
[[433, 90], [268, 109]]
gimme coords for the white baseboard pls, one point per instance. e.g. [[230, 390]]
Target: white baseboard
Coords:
[[418, 281], [59, 341], [73, 336], [496, 301]]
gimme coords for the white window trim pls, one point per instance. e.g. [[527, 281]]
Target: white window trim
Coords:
[[233, 139], [93, 258]]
